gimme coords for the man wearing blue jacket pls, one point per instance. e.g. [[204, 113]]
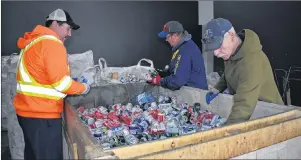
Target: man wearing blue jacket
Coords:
[[187, 64]]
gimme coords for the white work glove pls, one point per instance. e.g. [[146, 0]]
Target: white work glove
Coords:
[[87, 78], [87, 90]]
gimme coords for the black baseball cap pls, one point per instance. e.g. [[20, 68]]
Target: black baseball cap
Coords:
[[63, 16]]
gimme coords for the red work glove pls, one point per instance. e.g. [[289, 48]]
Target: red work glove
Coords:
[[155, 80]]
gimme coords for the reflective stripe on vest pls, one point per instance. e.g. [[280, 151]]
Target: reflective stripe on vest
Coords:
[[28, 86]]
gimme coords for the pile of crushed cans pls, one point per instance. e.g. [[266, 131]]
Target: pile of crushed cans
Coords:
[[126, 77], [119, 125]]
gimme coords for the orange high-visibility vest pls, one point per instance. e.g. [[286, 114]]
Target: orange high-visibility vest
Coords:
[[39, 95], [27, 85]]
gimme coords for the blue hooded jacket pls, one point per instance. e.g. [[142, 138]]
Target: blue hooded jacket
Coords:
[[187, 66]]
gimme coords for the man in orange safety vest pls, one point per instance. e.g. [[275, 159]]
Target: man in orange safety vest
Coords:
[[43, 81]]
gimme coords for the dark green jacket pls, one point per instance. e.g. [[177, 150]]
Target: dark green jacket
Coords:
[[248, 76]]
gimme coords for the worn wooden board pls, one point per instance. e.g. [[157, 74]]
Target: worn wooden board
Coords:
[[175, 142], [234, 145]]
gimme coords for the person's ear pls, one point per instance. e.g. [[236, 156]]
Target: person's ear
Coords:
[[54, 23], [231, 34]]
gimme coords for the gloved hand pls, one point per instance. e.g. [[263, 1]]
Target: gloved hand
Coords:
[[164, 72], [155, 80], [87, 78], [87, 90], [211, 95]]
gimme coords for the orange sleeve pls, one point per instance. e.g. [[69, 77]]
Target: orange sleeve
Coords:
[[56, 65]]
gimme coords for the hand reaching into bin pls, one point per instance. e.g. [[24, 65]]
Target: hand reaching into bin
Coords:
[[155, 78], [211, 95]]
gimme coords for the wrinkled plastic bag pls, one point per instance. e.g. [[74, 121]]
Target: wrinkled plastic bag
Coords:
[[15, 132], [8, 66], [212, 79], [132, 74], [79, 62], [93, 74], [15, 135]]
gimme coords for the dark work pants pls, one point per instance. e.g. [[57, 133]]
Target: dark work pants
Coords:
[[43, 138]]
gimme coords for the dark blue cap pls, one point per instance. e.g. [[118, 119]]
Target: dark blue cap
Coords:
[[171, 27], [214, 33]]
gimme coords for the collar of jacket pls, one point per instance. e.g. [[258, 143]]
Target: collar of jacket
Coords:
[[250, 44], [186, 37]]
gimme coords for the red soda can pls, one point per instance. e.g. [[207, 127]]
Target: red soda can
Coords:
[[127, 120], [80, 109], [154, 113], [160, 117], [99, 115], [85, 112], [92, 126], [113, 116], [209, 116], [98, 123]]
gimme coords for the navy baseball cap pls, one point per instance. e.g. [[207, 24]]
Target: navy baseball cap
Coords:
[[214, 33], [171, 27]]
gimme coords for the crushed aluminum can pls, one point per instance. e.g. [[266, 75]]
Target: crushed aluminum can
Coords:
[[131, 139], [166, 108], [160, 117], [117, 130], [154, 105], [113, 116], [184, 119], [220, 122], [116, 107], [142, 98], [172, 129], [125, 132], [106, 146], [80, 109], [103, 110], [133, 129], [197, 107], [143, 139], [126, 119], [87, 119], [150, 119], [214, 120], [85, 112], [161, 99], [174, 106], [121, 140], [98, 133], [186, 131], [143, 124], [154, 113], [100, 115], [205, 127], [111, 123], [167, 99], [129, 106], [114, 141], [184, 106]]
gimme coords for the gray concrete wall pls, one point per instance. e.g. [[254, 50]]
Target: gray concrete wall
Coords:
[[205, 15]]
